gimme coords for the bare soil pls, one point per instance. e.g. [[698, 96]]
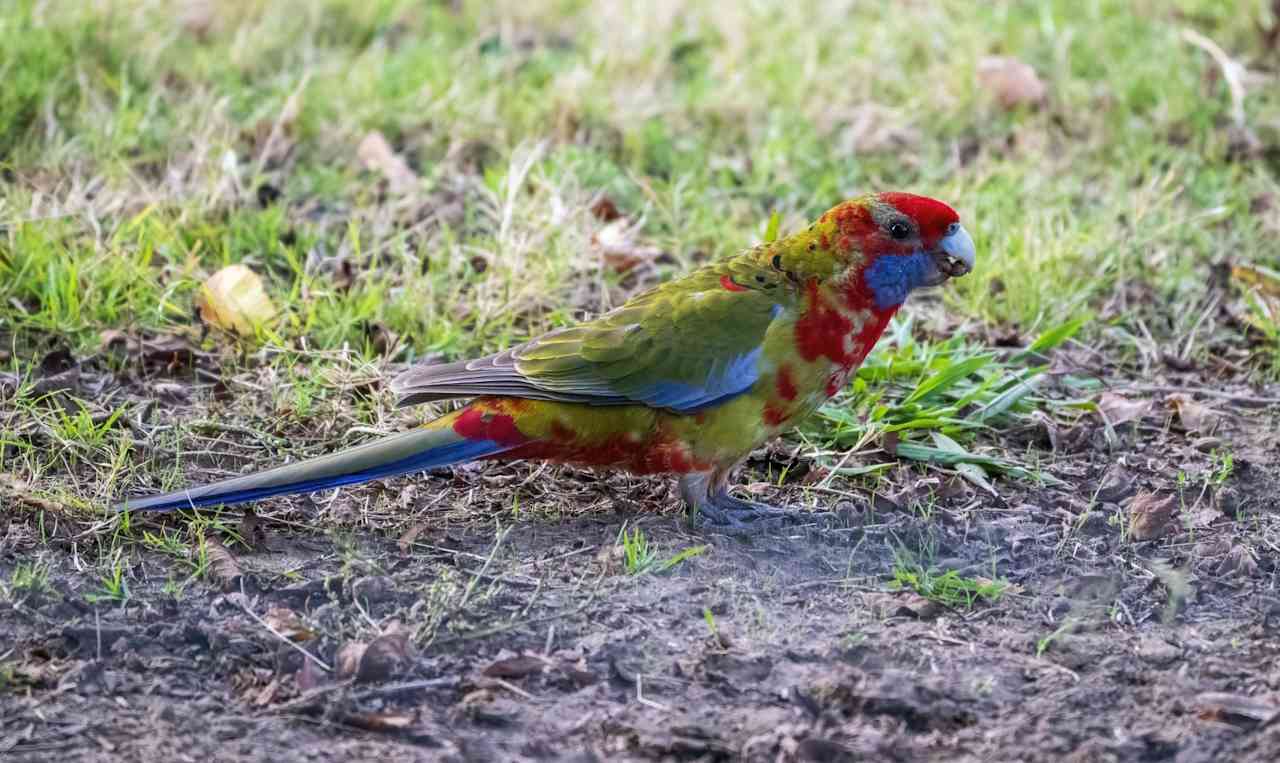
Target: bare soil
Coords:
[[443, 618]]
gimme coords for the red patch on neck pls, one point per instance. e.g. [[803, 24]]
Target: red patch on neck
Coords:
[[821, 330], [853, 219], [729, 284]]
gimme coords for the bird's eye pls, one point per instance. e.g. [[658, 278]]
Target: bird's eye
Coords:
[[952, 228], [899, 230]]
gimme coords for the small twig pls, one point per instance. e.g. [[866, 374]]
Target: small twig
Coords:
[[244, 604], [648, 702], [943, 639], [1125, 608], [557, 557], [1191, 338], [475, 576], [1232, 72], [288, 113], [382, 691], [513, 688], [842, 582], [307, 698], [1245, 400]]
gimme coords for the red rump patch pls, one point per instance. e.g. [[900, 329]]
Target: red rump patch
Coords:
[[729, 284], [786, 385], [481, 422], [653, 457], [496, 419], [774, 416]]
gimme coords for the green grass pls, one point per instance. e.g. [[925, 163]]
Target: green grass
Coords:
[[952, 391], [640, 557], [705, 122], [949, 588], [143, 149]]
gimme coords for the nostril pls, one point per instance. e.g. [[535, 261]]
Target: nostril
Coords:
[[953, 266]]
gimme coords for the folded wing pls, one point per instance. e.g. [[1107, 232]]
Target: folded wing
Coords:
[[684, 346]]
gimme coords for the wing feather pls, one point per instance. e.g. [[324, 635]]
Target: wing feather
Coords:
[[684, 345]]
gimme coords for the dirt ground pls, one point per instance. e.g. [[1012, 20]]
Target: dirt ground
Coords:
[[438, 623]]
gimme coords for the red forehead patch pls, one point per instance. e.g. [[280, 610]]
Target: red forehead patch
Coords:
[[931, 215]]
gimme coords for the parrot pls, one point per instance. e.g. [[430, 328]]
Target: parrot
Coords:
[[685, 379]]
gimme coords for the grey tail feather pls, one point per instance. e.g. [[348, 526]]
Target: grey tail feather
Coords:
[[433, 445]]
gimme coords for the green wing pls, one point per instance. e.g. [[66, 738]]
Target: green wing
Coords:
[[685, 345]]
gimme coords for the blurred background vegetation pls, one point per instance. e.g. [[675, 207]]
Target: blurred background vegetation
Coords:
[[450, 154]]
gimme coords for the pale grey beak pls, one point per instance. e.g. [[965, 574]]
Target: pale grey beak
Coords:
[[958, 255]]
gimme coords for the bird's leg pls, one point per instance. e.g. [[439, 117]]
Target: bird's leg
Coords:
[[707, 496]]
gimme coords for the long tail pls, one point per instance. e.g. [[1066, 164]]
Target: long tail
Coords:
[[433, 445]]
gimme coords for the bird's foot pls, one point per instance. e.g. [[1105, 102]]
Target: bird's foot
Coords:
[[721, 511]]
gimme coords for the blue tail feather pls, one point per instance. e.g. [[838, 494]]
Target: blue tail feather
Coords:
[[237, 491]]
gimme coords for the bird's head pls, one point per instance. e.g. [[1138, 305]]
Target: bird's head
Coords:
[[888, 244]]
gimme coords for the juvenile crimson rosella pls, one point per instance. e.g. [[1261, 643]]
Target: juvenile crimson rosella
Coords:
[[685, 379]]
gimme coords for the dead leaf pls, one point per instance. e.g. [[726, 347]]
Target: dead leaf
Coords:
[[870, 128], [1195, 417], [1052, 432], [267, 693], [1261, 289], [410, 537], [169, 352], [377, 155], [517, 666], [383, 340], [1234, 708], [605, 210], [1012, 82], [234, 299], [1119, 410], [385, 655], [250, 530], [197, 17], [19, 489], [349, 657], [1149, 515], [1116, 485], [1239, 561], [336, 271], [888, 502], [619, 249], [1200, 517], [222, 565], [384, 722], [289, 624], [309, 676], [916, 606]]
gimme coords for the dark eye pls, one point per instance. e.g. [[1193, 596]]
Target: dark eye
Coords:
[[899, 230], [952, 228]]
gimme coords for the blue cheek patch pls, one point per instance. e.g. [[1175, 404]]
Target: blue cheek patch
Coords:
[[892, 277]]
